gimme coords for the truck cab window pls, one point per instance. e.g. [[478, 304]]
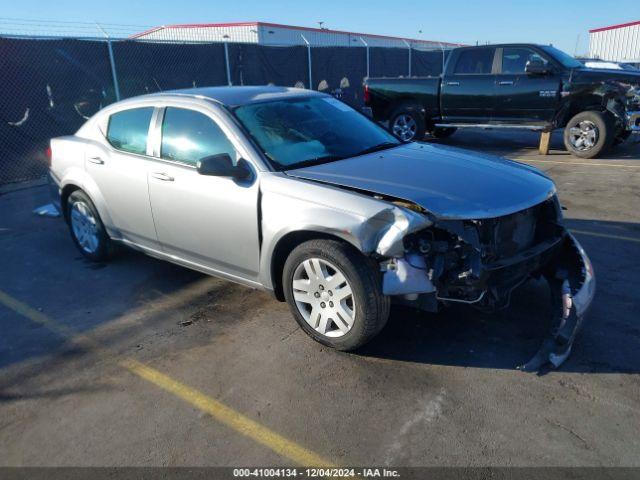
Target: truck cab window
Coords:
[[514, 60], [475, 61]]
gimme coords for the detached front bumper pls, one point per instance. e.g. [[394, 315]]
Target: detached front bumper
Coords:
[[573, 286]]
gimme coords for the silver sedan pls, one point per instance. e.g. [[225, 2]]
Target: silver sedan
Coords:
[[295, 192]]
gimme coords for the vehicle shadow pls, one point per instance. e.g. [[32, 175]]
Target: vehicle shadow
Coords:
[[521, 142], [609, 341]]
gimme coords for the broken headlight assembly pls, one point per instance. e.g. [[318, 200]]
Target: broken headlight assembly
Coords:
[[481, 262]]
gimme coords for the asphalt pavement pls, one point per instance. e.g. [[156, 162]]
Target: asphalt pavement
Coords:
[[141, 362]]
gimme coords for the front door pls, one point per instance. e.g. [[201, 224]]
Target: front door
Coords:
[[207, 221], [521, 98], [467, 92]]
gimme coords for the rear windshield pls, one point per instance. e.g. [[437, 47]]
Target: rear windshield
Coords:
[[298, 132]]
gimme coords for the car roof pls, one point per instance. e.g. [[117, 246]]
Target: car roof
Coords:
[[235, 96]]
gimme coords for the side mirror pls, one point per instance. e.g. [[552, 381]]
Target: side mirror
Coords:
[[536, 67], [221, 165]]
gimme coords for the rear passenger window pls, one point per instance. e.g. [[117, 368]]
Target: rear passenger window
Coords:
[[475, 61], [188, 136], [128, 130]]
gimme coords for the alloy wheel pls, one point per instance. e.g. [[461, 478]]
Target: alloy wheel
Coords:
[[84, 226], [404, 127], [584, 136], [323, 297]]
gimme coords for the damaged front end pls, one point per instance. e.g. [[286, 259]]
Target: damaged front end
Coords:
[[481, 262]]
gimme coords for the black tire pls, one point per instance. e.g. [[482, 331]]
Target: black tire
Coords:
[[415, 113], [442, 132], [604, 134], [371, 307], [103, 247]]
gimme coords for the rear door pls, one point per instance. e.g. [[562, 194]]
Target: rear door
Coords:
[[207, 221], [119, 169], [521, 98], [468, 87]]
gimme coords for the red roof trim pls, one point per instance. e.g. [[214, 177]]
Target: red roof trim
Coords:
[[613, 27], [279, 25]]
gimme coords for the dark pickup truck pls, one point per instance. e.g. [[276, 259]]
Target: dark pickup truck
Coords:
[[526, 86]]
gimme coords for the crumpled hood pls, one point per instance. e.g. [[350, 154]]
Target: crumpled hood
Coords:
[[446, 181], [625, 76]]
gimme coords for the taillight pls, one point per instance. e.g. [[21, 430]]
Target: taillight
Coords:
[[48, 154], [367, 95]]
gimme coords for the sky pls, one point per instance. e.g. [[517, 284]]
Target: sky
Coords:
[[565, 24]]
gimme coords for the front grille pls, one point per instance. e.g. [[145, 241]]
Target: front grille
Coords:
[[505, 237]]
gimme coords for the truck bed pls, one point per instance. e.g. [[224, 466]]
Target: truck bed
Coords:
[[386, 93]]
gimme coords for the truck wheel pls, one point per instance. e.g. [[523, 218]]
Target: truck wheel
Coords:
[[406, 123], [335, 293], [442, 132], [86, 228], [589, 134]]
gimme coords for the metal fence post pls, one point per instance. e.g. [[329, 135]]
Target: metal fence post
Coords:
[[409, 47], [309, 60], [112, 61], [367, 47], [114, 72], [226, 60], [443, 59]]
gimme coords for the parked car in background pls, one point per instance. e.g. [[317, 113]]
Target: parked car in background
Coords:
[[603, 64], [527, 86], [294, 192]]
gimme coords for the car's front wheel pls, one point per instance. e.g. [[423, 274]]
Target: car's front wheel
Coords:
[[589, 134], [86, 227], [335, 293]]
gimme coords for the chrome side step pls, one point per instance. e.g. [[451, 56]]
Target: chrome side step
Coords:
[[535, 128]]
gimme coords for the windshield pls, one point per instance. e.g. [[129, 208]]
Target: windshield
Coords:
[[564, 58], [304, 131]]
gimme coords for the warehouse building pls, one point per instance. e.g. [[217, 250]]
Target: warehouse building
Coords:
[[616, 43], [273, 34]]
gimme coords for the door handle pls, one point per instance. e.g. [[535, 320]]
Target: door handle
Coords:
[[96, 160], [453, 84], [506, 82], [162, 176]]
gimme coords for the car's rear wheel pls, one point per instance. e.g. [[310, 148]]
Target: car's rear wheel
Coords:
[[86, 227], [335, 293], [589, 134], [406, 123]]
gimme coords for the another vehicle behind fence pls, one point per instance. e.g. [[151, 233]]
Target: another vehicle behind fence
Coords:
[[522, 86]]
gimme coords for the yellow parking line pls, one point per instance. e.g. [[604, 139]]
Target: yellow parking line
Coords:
[[590, 164], [607, 235], [221, 412], [227, 416]]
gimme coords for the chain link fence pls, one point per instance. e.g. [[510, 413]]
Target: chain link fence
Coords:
[[52, 83]]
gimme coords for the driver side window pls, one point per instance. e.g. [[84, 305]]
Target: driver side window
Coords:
[[514, 60], [188, 136]]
